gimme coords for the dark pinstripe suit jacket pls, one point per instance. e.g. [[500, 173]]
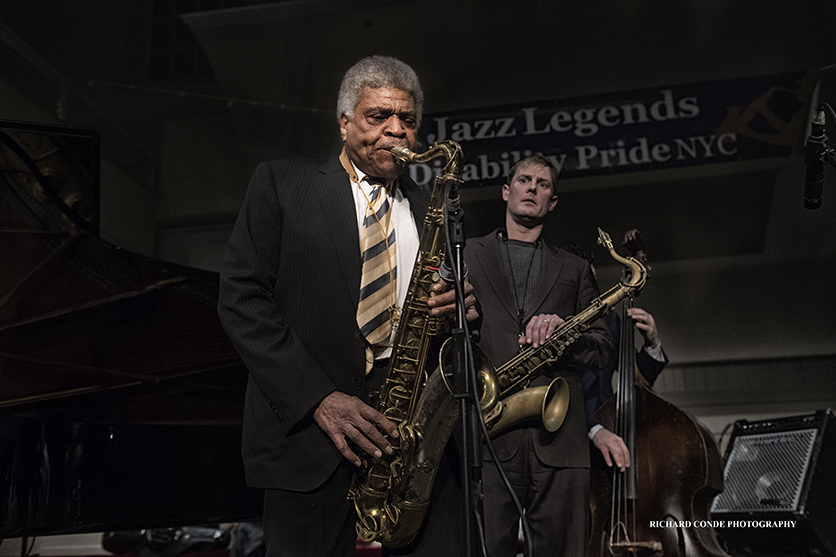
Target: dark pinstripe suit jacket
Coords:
[[565, 287], [288, 300]]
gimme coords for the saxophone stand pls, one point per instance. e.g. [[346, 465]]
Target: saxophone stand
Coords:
[[463, 381]]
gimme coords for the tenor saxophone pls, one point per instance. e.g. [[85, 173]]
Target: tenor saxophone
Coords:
[[505, 398], [391, 493], [504, 393]]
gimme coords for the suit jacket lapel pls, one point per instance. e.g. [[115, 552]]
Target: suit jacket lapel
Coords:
[[488, 254], [340, 219]]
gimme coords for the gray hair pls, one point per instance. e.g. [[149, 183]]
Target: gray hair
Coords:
[[376, 72]]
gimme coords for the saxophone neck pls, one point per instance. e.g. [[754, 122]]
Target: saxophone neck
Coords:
[[451, 150], [638, 272]]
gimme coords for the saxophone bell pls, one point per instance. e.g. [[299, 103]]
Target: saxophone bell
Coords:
[[549, 403]]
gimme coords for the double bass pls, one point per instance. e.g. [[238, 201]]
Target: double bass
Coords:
[[659, 506]]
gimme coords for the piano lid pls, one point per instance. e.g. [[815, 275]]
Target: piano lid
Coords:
[[89, 330]]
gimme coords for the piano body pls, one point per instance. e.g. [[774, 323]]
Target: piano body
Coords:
[[120, 394]]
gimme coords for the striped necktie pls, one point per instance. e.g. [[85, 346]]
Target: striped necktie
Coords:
[[378, 293]]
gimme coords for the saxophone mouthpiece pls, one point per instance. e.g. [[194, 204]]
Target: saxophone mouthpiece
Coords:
[[402, 154], [604, 239]]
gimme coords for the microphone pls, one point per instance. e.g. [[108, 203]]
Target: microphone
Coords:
[[813, 152], [453, 203]]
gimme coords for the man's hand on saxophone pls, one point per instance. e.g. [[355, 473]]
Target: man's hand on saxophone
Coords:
[[540, 328], [443, 300], [347, 418]]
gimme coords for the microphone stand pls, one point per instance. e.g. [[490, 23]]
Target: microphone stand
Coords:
[[463, 381], [816, 152]]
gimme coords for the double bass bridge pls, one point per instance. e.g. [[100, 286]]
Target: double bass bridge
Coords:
[[636, 548]]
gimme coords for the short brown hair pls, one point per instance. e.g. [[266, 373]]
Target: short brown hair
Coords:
[[534, 159]]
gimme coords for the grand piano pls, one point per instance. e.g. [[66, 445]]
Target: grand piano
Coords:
[[120, 394]]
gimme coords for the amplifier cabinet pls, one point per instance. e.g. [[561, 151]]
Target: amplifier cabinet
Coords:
[[780, 485]]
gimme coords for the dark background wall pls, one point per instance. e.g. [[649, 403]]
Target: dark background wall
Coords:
[[189, 96]]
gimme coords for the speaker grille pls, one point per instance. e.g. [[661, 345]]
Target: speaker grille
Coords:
[[766, 472]]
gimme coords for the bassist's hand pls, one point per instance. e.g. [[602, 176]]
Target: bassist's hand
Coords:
[[646, 326], [612, 448]]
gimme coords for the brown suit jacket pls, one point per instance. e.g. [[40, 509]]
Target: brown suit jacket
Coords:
[[565, 287]]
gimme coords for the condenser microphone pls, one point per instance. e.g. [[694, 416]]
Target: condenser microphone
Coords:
[[813, 153]]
